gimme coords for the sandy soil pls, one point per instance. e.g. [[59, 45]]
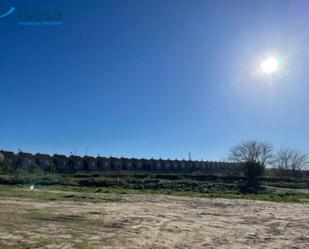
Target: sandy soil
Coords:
[[154, 222]]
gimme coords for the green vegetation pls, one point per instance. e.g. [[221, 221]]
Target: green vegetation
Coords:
[[40, 194], [142, 182], [94, 194], [253, 170], [83, 245], [266, 196], [98, 188]]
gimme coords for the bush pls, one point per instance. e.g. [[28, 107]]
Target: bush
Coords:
[[252, 170]]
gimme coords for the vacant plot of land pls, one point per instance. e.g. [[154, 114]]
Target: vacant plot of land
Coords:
[[152, 222]]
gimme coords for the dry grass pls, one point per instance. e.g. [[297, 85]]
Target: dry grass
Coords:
[[150, 222]]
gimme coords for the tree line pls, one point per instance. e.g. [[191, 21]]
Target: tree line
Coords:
[[287, 162]]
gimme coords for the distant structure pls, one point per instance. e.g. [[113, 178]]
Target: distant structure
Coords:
[[72, 164], [1, 158]]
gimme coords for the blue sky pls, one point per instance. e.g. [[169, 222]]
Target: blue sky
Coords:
[[158, 78]]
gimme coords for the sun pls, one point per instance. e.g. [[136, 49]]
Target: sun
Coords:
[[270, 65]]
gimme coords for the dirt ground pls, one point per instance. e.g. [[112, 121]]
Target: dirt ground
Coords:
[[153, 222]]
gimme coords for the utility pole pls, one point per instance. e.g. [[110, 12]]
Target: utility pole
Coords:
[[189, 156], [86, 150]]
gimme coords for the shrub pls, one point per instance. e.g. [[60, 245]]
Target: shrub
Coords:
[[252, 170]]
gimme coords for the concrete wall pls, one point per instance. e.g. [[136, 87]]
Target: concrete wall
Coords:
[[10, 158], [63, 164], [76, 163], [91, 163], [45, 161], [26, 161]]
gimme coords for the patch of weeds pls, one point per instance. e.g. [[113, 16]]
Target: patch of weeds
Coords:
[[83, 245], [45, 195], [111, 194]]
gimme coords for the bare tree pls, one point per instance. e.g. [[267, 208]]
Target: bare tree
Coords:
[[291, 162], [252, 151]]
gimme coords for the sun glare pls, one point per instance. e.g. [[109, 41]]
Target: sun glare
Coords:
[[270, 65]]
